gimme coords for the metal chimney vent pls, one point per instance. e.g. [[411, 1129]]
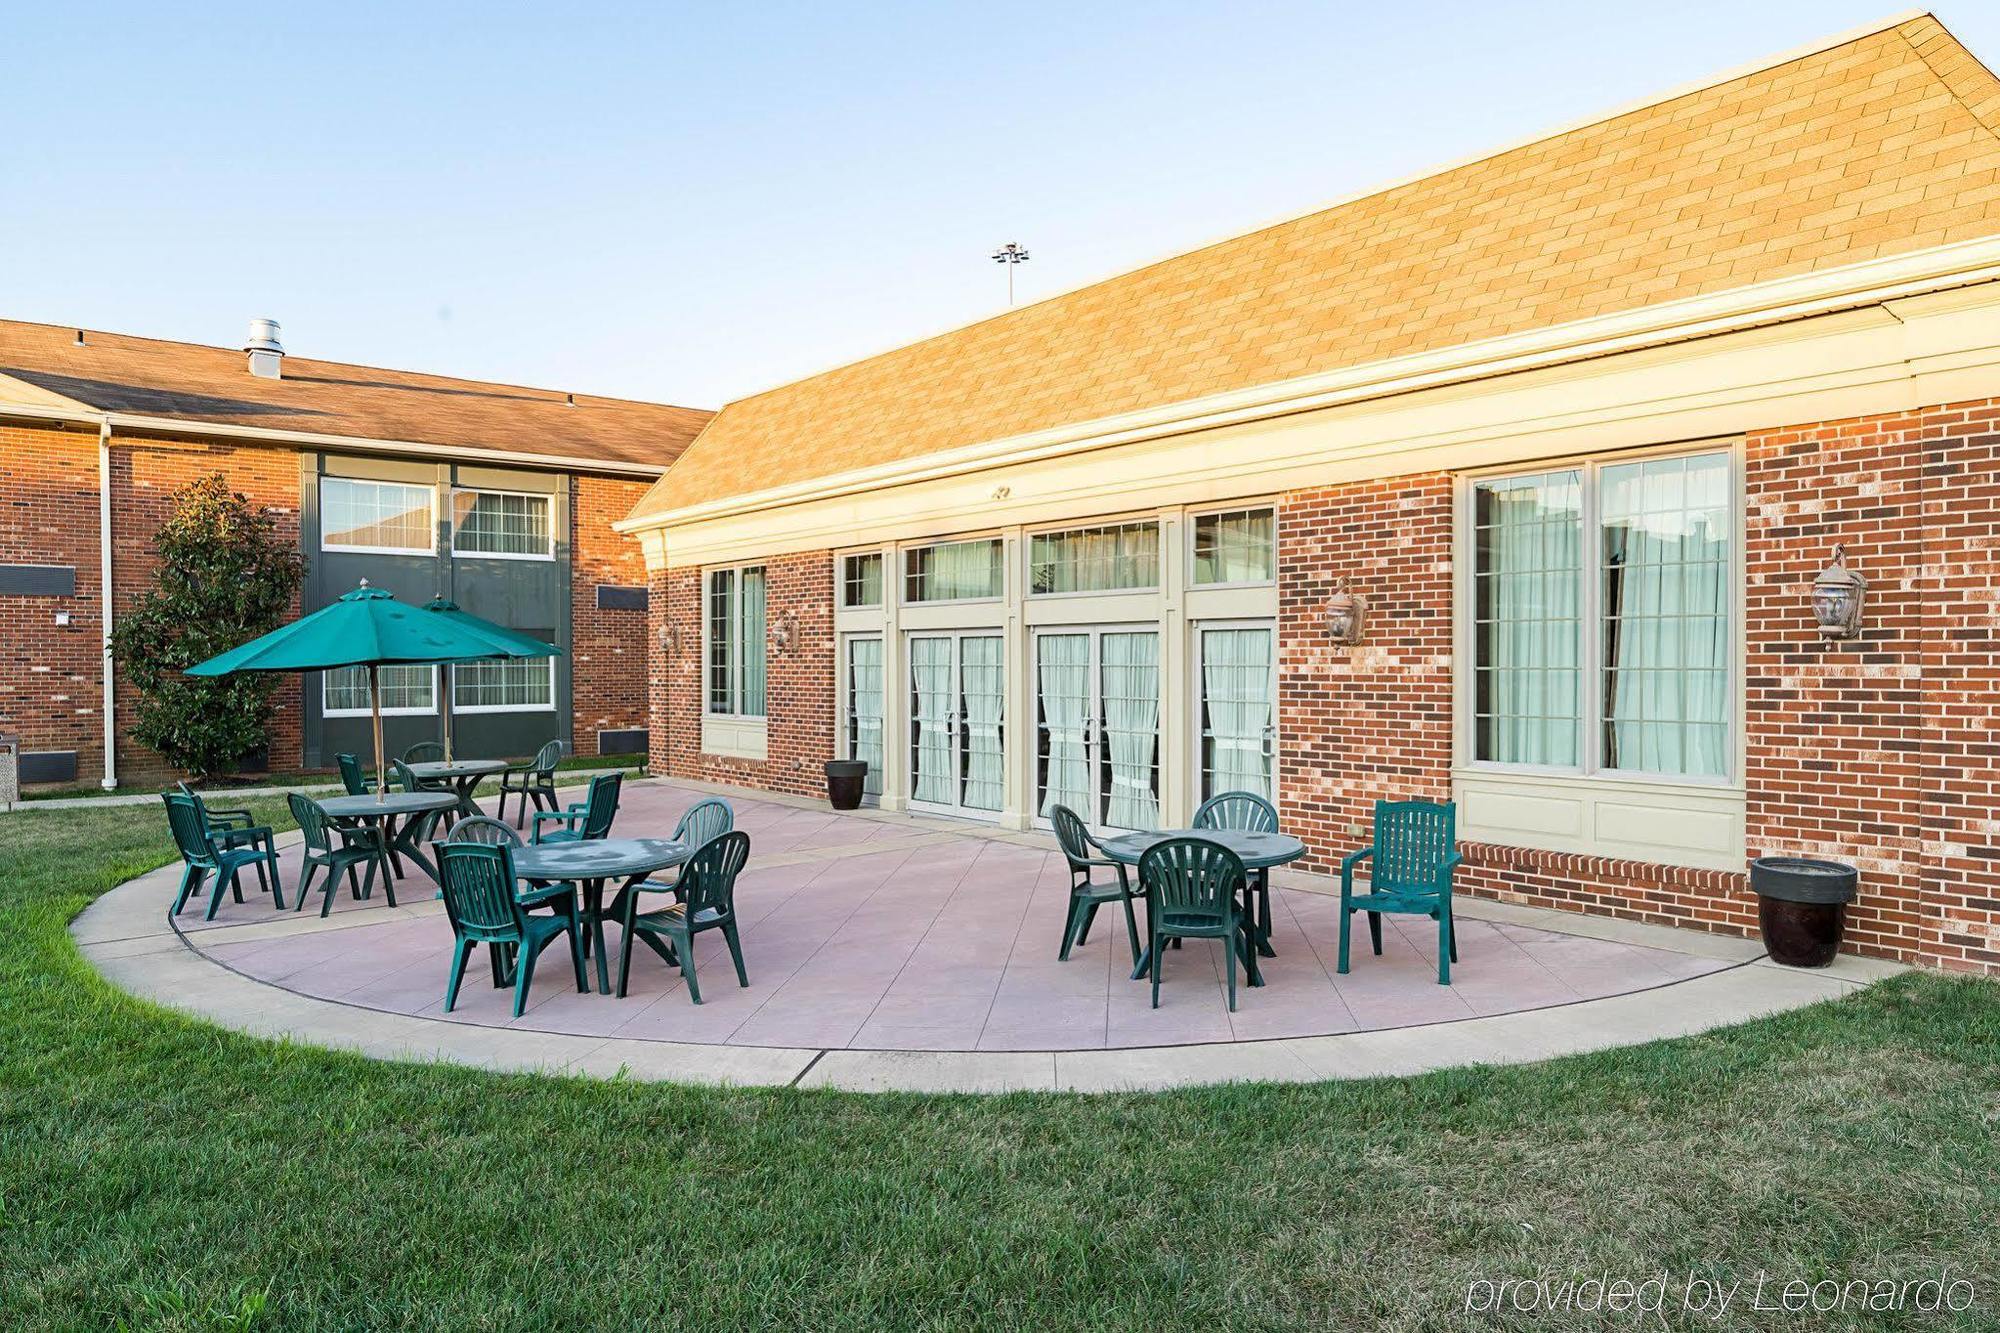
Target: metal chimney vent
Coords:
[[267, 354]]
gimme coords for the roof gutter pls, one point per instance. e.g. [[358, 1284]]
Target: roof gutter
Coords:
[[127, 422], [1779, 301]]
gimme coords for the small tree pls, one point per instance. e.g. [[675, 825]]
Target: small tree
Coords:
[[224, 577]]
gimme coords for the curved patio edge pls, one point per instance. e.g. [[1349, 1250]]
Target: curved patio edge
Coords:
[[126, 937]]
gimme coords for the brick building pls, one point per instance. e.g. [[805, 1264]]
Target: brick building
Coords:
[[1579, 421], [501, 497]]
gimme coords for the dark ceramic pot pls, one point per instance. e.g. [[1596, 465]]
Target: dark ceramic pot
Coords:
[[1802, 907], [843, 782]]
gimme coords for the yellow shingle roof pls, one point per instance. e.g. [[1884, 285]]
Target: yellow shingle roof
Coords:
[[1883, 144]]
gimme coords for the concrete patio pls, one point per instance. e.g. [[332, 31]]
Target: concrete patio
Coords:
[[897, 951]]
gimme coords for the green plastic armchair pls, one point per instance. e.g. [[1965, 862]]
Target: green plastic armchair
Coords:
[[584, 821], [1411, 864], [202, 855], [1086, 895], [1192, 889], [485, 906], [707, 902]]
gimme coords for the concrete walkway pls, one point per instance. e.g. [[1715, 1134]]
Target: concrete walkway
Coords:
[[896, 952]]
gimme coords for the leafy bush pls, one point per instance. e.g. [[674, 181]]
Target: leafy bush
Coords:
[[224, 577]]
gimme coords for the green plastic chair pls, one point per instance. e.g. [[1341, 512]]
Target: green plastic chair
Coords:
[[424, 752], [585, 821], [1249, 813], [1414, 854], [484, 907], [1085, 894], [534, 781], [352, 776], [203, 856], [707, 902], [1192, 885], [237, 828], [703, 823], [338, 850], [479, 828]]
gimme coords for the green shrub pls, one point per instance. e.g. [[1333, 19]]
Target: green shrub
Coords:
[[224, 577]]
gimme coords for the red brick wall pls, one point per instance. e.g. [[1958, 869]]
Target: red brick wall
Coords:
[[1373, 721], [145, 474], [607, 648], [1880, 750], [800, 685], [51, 682]]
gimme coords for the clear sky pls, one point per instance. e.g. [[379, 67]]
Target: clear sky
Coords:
[[694, 202]]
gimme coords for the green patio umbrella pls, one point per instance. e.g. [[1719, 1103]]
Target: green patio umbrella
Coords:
[[368, 628], [505, 642]]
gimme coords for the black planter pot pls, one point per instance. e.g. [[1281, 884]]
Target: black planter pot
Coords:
[[843, 782], [1802, 907]]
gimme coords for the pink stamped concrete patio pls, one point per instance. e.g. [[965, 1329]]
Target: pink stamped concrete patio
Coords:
[[892, 933]]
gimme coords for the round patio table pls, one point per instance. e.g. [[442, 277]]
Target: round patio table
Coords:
[[417, 809], [464, 775], [1257, 851], [589, 865]]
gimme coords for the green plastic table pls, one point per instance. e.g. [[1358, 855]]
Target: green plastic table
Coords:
[[588, 865], [1257, 851], [417, 809], [464, 775]]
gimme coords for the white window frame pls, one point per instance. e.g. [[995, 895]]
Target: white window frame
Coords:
[[1193, 521], [840, 560], [905, 550], [327, 711], [1160, 557], [325, 545], [708, 574], [545, 497], [1591, 643], [548, 665]]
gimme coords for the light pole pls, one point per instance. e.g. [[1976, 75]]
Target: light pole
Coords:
[[1010, 254]]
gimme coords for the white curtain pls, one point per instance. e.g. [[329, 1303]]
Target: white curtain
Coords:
[[1666, 637], [958, 570], [1235, 548], [1062, 666], [1132, 728], [1529, 570], [1236, 696], [864, 709], [930, 679], [753, 642], [983, 667], [1096, 559]]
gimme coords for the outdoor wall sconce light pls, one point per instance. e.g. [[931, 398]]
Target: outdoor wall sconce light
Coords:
[[782, 630], [670, 640], [1345, 612], [1837, 594]]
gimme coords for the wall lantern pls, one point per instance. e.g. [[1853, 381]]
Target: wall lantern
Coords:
[[1345, 612], [670, 639], [782, 630], [1837, 594]]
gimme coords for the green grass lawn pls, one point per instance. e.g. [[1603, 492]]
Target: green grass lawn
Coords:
[[158, 1172]]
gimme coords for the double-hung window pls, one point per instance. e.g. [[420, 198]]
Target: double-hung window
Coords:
[[504, 524], [1602, 611], [387, 517], [734, 617], [507, 685]]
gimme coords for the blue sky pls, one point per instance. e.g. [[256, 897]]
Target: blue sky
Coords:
[[694, 202]]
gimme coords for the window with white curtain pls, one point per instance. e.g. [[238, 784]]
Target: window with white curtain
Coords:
[[1240, 546], [503, 523], [953, 571], [1602, 591], [510, 685], [1103, 559], [405, 689], [735, 655], [383, 516], [864, 709], [861, 580]]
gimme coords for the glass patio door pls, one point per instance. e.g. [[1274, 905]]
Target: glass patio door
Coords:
[[1097, 708], [957, 722], [1237, 708], [864, 709]]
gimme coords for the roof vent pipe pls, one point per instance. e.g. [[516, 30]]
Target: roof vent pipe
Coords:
[[267, 354]]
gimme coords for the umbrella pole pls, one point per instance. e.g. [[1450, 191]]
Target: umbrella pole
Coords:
[[444, 696], [375, 705]]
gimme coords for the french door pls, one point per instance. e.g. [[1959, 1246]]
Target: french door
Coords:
[[1236, 708], [1097, 717], [863, 706], [958, 691]]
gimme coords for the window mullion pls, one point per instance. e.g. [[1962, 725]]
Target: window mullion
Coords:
[[1590, 643]]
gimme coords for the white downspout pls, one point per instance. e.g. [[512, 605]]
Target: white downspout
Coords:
[[110, 780]]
